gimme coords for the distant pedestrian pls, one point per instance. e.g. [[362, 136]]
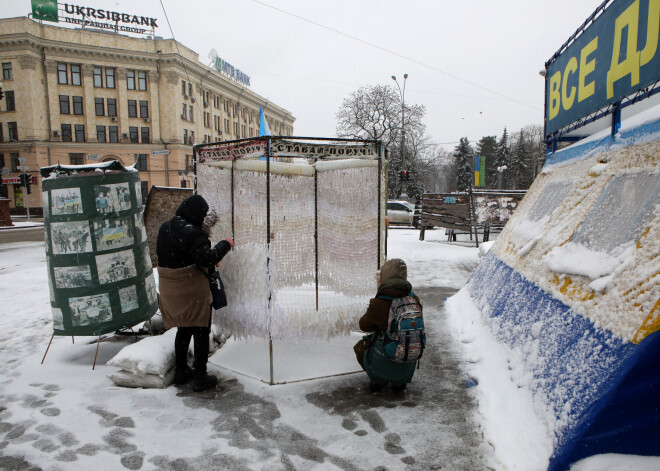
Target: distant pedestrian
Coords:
[[370, 351], [185, 257]]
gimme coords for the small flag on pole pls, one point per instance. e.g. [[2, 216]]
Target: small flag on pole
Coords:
[[263, 124]]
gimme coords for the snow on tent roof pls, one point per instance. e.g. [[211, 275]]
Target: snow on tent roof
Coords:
[[56, 171], [571, 286]]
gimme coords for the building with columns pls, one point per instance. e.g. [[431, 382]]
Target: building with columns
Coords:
[[76, 96]]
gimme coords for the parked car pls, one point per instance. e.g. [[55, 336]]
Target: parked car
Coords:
[[400, 212]]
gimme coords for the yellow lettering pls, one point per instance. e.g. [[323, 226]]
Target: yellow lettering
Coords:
[[630, 66], [566, 99], [652, 30], [585, 90], [554, 98]]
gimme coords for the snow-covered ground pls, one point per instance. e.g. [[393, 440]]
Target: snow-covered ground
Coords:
[[62, 415], [467, 408]]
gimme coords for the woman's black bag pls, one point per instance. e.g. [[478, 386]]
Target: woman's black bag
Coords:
[[218, 290]]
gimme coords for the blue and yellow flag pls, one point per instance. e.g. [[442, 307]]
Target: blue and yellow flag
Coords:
[[264, 130]]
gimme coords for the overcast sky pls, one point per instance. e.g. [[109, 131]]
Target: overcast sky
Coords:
[[474, 64]]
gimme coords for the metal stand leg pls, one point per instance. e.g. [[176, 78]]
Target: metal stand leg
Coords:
[[270, 347], [98, 343], [47, 348]]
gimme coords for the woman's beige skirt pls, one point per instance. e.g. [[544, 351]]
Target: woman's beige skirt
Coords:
[[185, 297]]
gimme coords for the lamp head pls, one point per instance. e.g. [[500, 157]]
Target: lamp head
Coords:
[[394, 77], [405, 76]]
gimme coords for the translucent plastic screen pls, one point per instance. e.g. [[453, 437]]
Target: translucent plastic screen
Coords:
[[341, 209]]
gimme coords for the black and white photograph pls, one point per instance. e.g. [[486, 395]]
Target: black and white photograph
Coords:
[[128, 298], [112, 234], [138, 192], [73, 277], [58, 319], [45, 204], [139, 227], [150, 287], [146, 255], [70, 237], [88, 310], [112, 198], [66, 201], [115, 266]]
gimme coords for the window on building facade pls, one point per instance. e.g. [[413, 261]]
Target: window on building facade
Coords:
[[190, 89], [77, 105], [142, 80], [64, 104], [62, 77], [75, 75], [2, 160], [7, 73], [98, 106], [9, 100], [183, 87], [76, 158], [226, 125], [14, 162], [132, 108], [98, 77], [243, 132], [13, 131], [144, 109], [130, 79], [183, 111], [80, 132], [100, 134], [145, 135], [113, 133], [192, 137], [190, 113], [2, 134], [110, 78], [141, 162], [112, 107], [66, 133], [133, 134], [185, 136]]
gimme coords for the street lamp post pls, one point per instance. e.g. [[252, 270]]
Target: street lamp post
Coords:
[[402, 93]]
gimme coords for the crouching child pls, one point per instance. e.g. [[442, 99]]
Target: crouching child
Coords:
[[397, 340]]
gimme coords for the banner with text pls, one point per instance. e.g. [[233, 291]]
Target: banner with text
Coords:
[[614, 57]]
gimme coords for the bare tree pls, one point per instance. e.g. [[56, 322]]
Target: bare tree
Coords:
[[374, 112]]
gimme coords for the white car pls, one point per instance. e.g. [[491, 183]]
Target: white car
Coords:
[[400, 212]]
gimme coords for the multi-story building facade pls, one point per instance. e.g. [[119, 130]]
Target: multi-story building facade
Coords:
[[78, 96]]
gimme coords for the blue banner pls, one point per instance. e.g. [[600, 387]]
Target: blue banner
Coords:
[[614, 57]]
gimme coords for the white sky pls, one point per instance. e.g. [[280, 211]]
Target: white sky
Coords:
[[499, 47]]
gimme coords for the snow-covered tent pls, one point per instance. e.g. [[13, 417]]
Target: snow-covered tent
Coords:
[[572, 285]]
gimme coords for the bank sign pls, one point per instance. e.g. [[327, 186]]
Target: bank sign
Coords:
[[614, 57], [47, 10]]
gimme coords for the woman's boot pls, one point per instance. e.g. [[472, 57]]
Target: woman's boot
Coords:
[[182, 372], [202, 380]]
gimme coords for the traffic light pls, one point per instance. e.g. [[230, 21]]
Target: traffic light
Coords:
[[21, 179], [405, 175], [184, 183], [28, 183]]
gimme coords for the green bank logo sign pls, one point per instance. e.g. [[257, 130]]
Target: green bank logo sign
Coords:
[[47, 10]]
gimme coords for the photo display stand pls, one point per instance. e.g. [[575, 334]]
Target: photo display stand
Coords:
[[99, 269], [308, 219]]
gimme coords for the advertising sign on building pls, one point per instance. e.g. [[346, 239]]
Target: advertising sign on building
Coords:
[[614, 57], [47, 10]]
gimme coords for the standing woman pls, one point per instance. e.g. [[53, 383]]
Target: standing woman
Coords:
[[185, 258]]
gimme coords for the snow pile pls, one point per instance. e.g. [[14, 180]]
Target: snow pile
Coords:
[[515, 429], [148, 363]]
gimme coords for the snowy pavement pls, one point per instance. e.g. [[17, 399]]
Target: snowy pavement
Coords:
[[63, 415]]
